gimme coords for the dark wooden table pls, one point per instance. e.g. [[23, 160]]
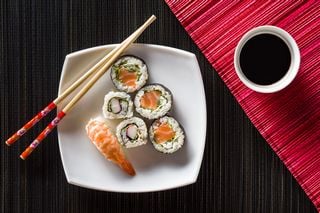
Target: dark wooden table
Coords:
[[239, 173]]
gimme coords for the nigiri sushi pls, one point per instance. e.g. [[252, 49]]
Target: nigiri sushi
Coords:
[[107, 143]]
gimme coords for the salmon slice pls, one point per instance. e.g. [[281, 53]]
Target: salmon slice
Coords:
[[150, 99], [107, 143], [128, 78], [164, 133]]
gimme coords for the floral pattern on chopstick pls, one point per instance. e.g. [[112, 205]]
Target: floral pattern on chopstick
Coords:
[[42, 135], [31, 123]]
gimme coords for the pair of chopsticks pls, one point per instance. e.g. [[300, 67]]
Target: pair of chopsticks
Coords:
[[95, 72]]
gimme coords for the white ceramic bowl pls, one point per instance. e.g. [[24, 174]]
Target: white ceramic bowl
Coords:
[[294, 52], [84, 166]]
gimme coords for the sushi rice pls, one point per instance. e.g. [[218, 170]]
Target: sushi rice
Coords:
[[166, 135], [153, 101], [117, 105], [132, 132], [129, 73]]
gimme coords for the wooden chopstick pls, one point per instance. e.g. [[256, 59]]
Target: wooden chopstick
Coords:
[[61, 97], [119, 50], [16, 136]]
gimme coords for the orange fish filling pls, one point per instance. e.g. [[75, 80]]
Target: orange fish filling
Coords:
[[164, 133], [150, 99], [128, 78]]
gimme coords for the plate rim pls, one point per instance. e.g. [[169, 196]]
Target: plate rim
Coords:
[[193, 178]]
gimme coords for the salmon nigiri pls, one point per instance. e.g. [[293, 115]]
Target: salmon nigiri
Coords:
[[107, 143]]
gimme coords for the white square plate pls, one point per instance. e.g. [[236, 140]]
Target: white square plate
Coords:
[[84, 166]]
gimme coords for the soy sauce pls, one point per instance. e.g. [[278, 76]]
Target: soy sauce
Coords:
[[265, 59]]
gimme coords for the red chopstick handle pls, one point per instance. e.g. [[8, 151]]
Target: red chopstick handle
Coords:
[[42, 135], [30, 124]]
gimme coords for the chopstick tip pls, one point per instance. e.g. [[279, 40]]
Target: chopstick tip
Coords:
[[8, 144], [22, 157], [153, 17]]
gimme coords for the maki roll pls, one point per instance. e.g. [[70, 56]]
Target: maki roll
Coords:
[[166, 135], [153, 101], [132, 132], [129, 73], [117, 105]]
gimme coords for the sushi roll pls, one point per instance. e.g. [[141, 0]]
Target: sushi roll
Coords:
[[153, 101], [166, 135], [117, 105], [132, 132], [129, 73]]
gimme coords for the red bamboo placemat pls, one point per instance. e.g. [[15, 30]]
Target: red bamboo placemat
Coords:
[[289, 120]]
